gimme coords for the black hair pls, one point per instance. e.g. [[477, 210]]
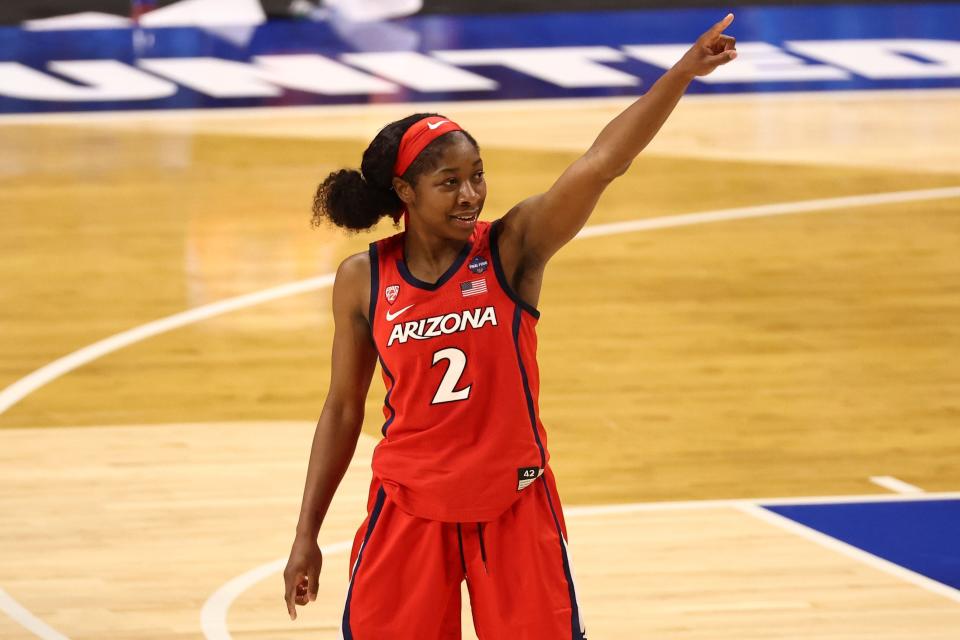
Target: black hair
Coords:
[[357, 200]]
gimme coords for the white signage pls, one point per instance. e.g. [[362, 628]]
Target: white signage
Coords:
[[756, 62], [567, 67], [883, 59], [388, 72]]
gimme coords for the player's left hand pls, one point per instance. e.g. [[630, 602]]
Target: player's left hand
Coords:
[[711, 50]]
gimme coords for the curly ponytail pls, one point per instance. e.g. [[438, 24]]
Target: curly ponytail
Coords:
[[356, 200], [350, 201]]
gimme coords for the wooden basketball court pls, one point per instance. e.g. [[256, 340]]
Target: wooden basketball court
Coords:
[[690, 364]]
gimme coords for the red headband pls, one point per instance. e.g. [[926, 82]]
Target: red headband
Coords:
[[418, 136]]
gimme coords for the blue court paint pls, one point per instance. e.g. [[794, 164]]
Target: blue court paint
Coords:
[[905, 32], [920, 535]]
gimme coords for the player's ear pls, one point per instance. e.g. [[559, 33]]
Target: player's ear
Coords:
[[404, 191]]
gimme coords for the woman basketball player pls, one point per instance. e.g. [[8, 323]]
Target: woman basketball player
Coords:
[[461, 487]]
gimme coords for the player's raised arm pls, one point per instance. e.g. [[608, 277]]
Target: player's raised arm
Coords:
[[545, 222]]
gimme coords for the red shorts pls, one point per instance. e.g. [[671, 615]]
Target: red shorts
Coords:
[[405, 573]]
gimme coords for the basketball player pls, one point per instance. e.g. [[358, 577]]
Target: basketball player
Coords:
[[461, 486]]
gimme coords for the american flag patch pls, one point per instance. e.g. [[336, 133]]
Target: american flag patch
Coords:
[[473, 287]]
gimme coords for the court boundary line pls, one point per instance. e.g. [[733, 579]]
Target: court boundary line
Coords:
[[213, 614], [851, 551], [22, 616], [38, 378], [896, 485], [76, 359], [215, 609], [696, 505], [254, 113]]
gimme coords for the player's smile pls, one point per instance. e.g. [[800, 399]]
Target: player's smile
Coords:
[[466, 220]]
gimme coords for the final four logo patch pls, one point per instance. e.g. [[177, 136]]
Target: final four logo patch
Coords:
[[391, 292], [478, 264]]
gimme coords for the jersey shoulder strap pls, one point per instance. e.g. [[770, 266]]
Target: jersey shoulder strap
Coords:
[[381, 252]]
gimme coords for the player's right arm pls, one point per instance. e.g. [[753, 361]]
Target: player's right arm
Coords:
[[335, 439], [535, 229]]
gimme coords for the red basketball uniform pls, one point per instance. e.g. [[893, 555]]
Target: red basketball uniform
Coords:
[[462, 436], [462, 469]]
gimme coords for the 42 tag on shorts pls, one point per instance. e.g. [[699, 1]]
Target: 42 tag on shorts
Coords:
[[526, 476]]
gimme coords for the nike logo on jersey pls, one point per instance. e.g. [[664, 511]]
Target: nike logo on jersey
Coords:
[[393, 316], [436, 326], [434, 125]]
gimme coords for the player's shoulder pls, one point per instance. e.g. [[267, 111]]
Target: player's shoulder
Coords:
[[351, 287], [518, 217], [509, 229], [354, 269]]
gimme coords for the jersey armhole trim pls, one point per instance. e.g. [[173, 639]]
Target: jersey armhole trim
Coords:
[[374, 283], [501, 276]]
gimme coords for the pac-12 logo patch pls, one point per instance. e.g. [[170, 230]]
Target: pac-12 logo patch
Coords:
[[478, 265], [526, 476], [391, 293]]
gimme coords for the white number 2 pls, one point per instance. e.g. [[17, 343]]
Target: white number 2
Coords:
[[447, 391]]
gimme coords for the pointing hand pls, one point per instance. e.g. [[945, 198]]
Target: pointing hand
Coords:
[[711, 50]]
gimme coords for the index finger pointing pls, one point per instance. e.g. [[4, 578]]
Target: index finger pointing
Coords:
[[718, 28]]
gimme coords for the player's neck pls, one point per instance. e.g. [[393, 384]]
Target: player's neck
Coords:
[[429, 254]]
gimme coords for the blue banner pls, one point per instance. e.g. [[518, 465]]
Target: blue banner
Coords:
[[491, 57]]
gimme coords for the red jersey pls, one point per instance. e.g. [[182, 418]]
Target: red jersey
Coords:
[[462, 436]]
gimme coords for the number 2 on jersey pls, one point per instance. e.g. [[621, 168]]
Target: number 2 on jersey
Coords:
[[447, 391]]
